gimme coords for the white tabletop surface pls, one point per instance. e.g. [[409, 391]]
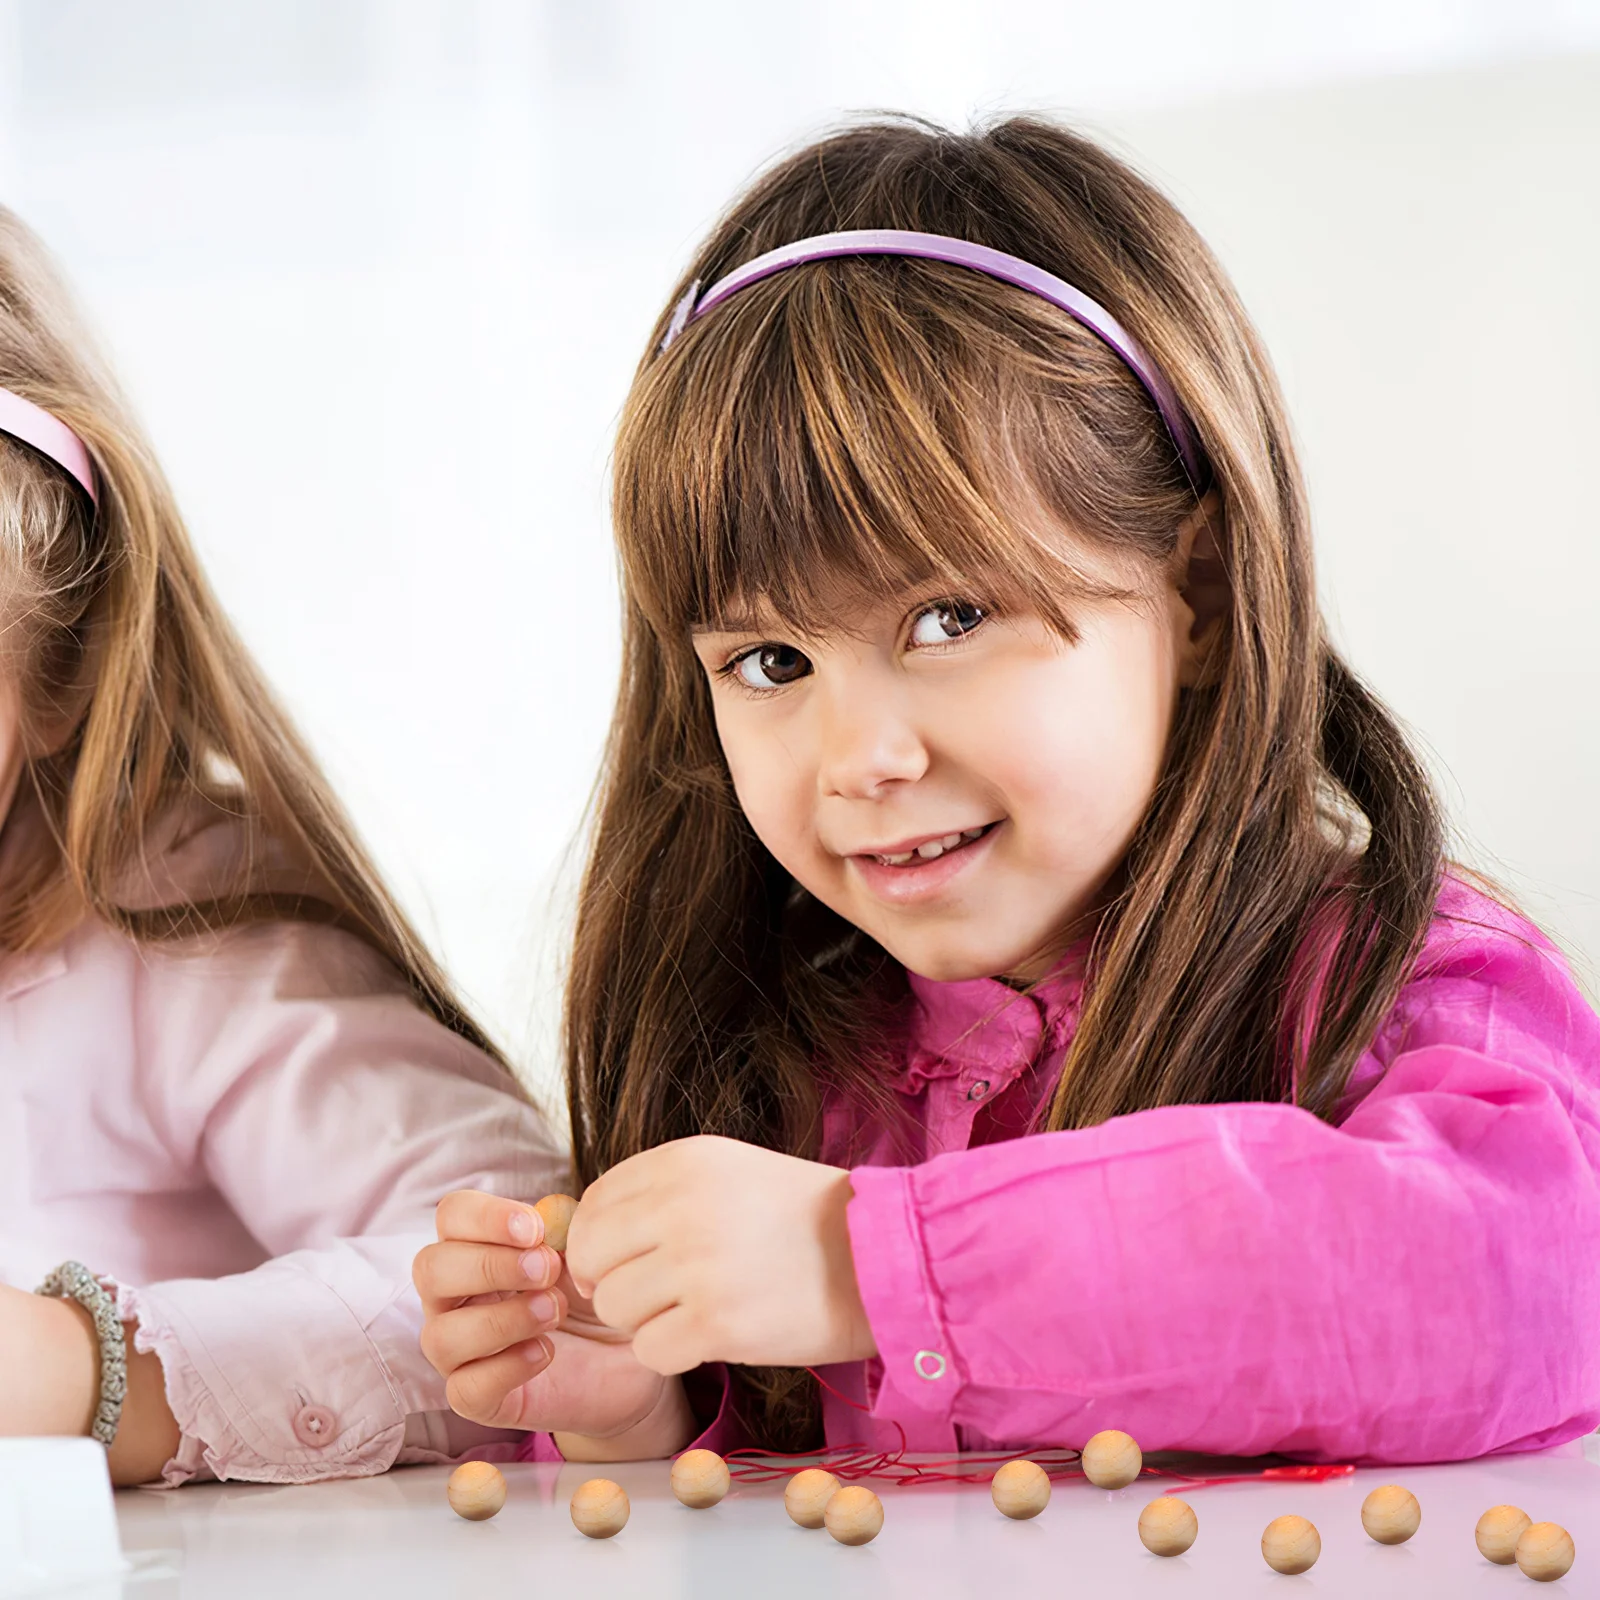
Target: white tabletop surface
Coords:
[[395, 1537]]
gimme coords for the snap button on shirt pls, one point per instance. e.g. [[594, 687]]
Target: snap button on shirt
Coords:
[[978, 1090], [928, 1364], [314, 1425]]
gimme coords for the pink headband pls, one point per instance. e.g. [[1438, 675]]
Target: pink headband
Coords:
[[980, 258], [50, 436]]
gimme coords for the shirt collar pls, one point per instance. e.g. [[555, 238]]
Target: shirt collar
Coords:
[[982, 1022]]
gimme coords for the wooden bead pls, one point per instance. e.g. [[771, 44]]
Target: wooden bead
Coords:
[[1020, 1489], [807, 1494], [1111, 1460], [1291, 1545], [476, 1491], [1391, 1514], [1497, 1533], [1544, 1552], [854, 1515], [1167, 1527], [700, 1478], [599, 1508], [556, 1209]]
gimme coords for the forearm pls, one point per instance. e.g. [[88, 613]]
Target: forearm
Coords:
[[49, 1366], [1352, 1293]]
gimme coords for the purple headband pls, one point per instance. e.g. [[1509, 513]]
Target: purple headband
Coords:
[[980, 258], [50, 436]]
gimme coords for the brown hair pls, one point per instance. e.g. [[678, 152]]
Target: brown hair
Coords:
[[876, 421], [143, 719]]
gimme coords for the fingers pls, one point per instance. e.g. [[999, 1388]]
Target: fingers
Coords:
[[456, 1338], [630, 1296], [457, 1269], [670, 1344], [603, 1236], [486, 1391], [488, 1218]]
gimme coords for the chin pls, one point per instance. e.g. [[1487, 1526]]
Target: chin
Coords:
[[953, 965]]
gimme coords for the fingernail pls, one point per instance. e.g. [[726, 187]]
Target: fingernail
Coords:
[[520, 1227], [544, 1307], [535, 1265]]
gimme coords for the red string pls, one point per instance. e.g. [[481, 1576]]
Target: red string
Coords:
[[853, 1462]]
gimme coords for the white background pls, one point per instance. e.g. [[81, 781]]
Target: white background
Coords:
[[377, 273]]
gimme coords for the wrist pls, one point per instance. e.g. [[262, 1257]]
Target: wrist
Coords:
[[149, 1436], [147, 1433], [662, 1431], [850, 1337]]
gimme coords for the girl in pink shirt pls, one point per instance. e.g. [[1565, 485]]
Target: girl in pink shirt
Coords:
[[232, 1080], [1018, 972]]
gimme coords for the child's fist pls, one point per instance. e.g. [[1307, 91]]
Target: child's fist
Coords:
[[518, 1347]]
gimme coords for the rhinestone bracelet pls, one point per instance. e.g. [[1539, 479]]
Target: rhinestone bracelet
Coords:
[[72, 1280]]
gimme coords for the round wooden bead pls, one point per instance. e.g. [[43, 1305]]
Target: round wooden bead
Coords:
[[556, 1209], [806, 1495], [1167, 1527], [1111, 1460], [700, 1478], [1544, 1552], [854, 1515], [1497, 1533], [477, 1489], [1391, 1514], [1291, 1545], [599, 1508], [1020, 1489]]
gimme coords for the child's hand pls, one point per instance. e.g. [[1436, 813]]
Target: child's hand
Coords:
[[707, 1249], [518, 1347]]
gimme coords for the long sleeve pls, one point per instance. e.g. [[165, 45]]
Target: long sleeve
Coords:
[[331, 1114], [1420, 1282]]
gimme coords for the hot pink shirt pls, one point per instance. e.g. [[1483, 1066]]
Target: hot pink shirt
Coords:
[[251, 1137], [1418, 1281]]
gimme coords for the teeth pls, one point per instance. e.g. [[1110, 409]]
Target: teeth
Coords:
[[933, 849]]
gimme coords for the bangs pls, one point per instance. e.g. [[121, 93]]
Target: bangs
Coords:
[[832, 438]]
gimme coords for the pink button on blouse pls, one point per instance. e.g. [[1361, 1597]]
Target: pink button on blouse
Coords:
[[314, 1425]]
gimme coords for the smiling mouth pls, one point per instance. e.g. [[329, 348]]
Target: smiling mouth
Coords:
[[932, 849]]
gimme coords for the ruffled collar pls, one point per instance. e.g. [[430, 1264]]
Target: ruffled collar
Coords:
[[984, 1024]]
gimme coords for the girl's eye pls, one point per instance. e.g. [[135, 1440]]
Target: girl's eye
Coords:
[[946, 620], [769, 666]]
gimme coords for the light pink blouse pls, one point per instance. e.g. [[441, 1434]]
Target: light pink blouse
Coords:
[[251, 1137]]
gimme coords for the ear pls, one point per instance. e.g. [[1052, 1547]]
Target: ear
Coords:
[[1200, 579]]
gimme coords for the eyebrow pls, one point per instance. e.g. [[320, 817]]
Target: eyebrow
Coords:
[[735, 622]]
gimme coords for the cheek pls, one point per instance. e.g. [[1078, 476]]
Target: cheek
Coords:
[[1076, 751], [769, 780], [11, 752], [10, 717]]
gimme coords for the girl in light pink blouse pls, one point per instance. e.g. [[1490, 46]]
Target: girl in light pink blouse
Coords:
[[233, 1084]]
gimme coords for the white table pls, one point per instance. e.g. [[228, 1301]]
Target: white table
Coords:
[[394, 1537]]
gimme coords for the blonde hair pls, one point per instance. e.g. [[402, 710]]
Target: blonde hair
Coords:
[[142, 714]]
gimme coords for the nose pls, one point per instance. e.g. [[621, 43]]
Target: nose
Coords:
[[867, 743]]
